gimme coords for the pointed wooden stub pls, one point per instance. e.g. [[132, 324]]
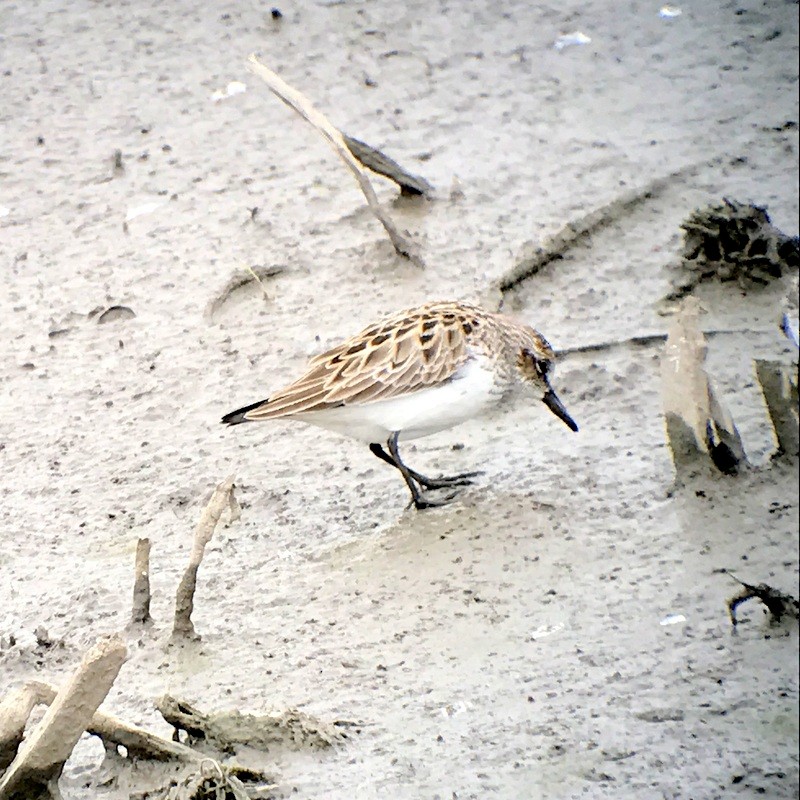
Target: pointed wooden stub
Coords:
[[700, 430]]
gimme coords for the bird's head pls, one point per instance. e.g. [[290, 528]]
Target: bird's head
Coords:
[[535, 362]]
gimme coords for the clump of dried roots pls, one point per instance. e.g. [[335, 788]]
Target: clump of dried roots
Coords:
[[734, 241], [214, 781]]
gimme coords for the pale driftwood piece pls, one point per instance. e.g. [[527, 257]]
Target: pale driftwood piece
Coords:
[[305, 109], [112, 730], [15, 709], [140, 613], [139, 742], [779, 386], [234, 509], [698, 425], [184, 601], [685, 386], [35, 771], [575, 231], [205, 776], [724, 444]]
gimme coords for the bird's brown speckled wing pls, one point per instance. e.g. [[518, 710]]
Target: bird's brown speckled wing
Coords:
[[400, 355]]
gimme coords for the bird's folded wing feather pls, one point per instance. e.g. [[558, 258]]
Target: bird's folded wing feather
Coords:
[[397, 358]]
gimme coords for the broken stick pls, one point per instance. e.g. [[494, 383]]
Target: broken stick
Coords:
[[305, 109], [15, 709], [140, 614], [184, 601], [778, 383], [35, 771], [698, 425]]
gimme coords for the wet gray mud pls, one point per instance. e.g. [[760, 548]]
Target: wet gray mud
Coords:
[[561, 630]]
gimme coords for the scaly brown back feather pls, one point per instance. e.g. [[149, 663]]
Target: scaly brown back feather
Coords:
[[404, 353]]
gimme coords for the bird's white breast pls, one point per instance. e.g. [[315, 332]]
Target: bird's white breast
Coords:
[[470, 392]]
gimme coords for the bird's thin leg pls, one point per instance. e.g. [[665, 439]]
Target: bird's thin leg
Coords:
[[417, 498], [377, 450], [442, 482]]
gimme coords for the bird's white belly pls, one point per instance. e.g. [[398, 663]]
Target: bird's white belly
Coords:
[[471, 392]]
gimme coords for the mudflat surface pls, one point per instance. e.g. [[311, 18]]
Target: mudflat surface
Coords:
[[560, 631]]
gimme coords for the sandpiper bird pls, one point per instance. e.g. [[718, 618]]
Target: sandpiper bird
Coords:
[[416, 372]]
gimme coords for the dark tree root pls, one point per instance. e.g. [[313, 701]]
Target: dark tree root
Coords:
[[778, 604]]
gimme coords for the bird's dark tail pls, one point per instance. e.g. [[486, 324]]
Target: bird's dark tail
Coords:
[[238, 416]]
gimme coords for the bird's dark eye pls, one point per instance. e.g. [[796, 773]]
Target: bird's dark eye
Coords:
[[542, 366]]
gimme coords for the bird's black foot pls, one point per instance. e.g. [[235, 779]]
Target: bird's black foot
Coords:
[[416, 482], [445, 481], [421, 501]]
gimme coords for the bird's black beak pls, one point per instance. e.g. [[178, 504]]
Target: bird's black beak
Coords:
[[551, 400]]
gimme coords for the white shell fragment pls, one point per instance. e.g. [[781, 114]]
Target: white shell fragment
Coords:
[[673, 619], [145, 208], [569, 39], [545, 630], [233, 88], [4, 211], [669, 12]]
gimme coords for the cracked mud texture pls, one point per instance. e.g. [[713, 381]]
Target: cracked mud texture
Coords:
[[561, 630]]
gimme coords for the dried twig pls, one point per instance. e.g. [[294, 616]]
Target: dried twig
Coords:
[[258, 280], [35, 771], [303, 106], [140, 613], [240, 278], [645, 340], [184, 602]]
